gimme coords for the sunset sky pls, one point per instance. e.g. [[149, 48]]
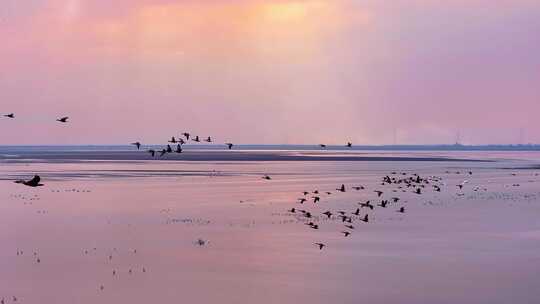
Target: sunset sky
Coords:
[[270, 72]]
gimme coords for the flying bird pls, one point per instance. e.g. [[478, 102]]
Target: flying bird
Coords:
[[342, 189], [63, 119], [209, 139], [321, 245], [379, 193], [196, 139], [365, 219], [186, 135], [137, 144], [11, 115], [401, 210], [346, 233], [367, 205], [229, 145], [349, 144], [267, 177], [178, 148], [34, 182], [152, 152], [322, 145]]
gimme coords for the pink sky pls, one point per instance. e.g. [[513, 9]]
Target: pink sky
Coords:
[[275, 71]]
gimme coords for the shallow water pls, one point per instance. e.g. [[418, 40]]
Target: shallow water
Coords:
[[93, 218]]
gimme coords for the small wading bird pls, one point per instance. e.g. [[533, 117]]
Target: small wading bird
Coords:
[[63, 119], [34, 182]]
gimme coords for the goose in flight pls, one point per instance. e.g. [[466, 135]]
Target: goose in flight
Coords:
[[209, 139], [34, 182], [137, 144], [186, 135], [196, 139], [321, 245], [229, 145], [11, 115], [367, 205], [379, 193], [342, 188], [346, 233], [63, 119], [365, 219]]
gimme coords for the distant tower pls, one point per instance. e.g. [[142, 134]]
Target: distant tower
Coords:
[[458, 138], [521, 139]]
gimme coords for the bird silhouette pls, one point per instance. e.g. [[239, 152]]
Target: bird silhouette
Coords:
[[162, 152], [316, 199], [349, 226], [321, 245], [383, 203], [342, 188], [328, 214], [186, 135], [366, 205], [152, 152], [267, 177], [401, 210], [346, 233], [137, 144], [11, 115], [349, 144], [209, 139], [63, 119], [322, 145], [379, 193], [169, 149], [178, 148], [196, 139], [357, 212], [365, 219], [229, 145], [173, 140], [302, 200], [358, 188], [34, 182]]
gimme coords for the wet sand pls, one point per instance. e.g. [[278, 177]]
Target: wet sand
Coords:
[[95, 217]]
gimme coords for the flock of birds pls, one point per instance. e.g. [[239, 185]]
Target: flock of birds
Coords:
[[61, 119], [383, 198]]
